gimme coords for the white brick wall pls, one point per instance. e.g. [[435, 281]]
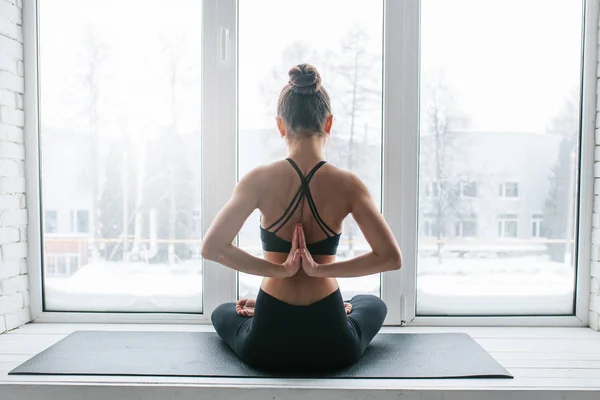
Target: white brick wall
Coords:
[[14, 293], [595, 265]]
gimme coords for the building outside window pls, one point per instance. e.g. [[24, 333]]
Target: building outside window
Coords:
[[509, 189], [508, 225]]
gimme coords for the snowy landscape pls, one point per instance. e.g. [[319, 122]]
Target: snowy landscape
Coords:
[[524, 285], [121, 143]]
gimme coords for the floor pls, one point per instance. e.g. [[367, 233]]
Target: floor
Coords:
[[561, 363]]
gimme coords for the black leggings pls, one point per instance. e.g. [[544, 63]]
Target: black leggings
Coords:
[[285, 337]]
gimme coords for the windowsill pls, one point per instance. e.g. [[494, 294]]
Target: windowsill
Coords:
[[546, 362]]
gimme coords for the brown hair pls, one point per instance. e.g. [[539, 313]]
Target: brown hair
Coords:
[[304, 104]]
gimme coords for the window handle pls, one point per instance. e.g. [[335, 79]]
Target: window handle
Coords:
[[224, 43]]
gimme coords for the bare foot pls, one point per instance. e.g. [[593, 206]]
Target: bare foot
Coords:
[[245, 307], [348, 308]]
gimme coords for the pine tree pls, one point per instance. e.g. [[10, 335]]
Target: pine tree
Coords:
[[117, 190], [558, 206], [170, 190]]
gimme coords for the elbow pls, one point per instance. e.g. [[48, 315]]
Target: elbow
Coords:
[[395, 260], [209, 251]]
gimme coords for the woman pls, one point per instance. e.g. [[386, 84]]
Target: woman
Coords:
[[299, 320]]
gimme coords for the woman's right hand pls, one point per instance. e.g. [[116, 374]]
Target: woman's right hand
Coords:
[[293, 261], [245, 307], [348, 308]]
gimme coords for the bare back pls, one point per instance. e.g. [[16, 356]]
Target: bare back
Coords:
[[332, 191]]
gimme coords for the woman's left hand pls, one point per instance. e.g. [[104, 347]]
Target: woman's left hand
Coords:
[[292, 264], [310, 267]]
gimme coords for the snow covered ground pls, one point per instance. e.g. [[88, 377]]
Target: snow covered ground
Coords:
[[133, 286], [524, 285], [496, 286]]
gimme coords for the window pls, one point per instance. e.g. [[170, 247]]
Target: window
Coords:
[[508, 225], [79, 221], [120, 139], [467, 189], [466, 228], [485, 115], [509, 189], [430, 226], [83, 224], [435, 189], [61, 265], [348, 53], [50, 221], [132, 172], [537, 226]]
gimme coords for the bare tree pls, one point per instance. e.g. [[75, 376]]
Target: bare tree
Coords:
[[94, 53], [559, 208], [439, 152], [351, 77], [356, 90], [168, 181], [173, 50], [296, 53]]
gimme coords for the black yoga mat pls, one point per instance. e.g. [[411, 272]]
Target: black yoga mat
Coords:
[[197, 354]]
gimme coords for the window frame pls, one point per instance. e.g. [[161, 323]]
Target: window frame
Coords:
[[55, 225], [537, 225], [400, 164], [216, 16], [503, 220], [459, 226], [584, 206], [504, 190], [74, 221]]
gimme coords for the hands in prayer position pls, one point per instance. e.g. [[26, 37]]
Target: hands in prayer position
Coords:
[[299, 257]]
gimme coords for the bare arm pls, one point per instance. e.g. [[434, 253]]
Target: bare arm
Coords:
[[217, 244], [385, 254]]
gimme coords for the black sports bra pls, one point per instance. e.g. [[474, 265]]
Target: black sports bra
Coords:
[[272, 242]]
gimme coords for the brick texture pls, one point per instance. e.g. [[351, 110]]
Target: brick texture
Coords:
[[594, 316], [14, 290]]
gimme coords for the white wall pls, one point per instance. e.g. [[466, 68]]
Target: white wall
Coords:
[[595, 272], [14, 294]]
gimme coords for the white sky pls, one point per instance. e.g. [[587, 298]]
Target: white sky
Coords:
[[510, 63]]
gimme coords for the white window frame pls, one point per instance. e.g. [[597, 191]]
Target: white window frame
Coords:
[[433, 189], [55, 221], [586, 180], [503, 189], [399, 167], [219, 31], [537, 220], [74, 221], [460, 224], [502, 221]]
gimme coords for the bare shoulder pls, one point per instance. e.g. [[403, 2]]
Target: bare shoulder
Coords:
[[260, 177], [349, 182], [255, 178]]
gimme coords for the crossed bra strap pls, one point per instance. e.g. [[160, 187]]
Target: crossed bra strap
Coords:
[[303, 192]]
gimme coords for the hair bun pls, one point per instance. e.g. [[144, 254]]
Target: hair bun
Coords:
[[304, 79]]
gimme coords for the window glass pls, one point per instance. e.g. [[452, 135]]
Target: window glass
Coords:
[[469, 189], [499, 87], [50, 221], [343, 40], [82, 221], [120, 145]]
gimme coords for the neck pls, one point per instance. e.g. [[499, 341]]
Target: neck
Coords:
[[306, 150]]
